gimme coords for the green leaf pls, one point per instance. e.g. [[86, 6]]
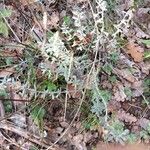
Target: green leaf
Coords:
[[8, 106], [147, 55], [3, 29], [5, 13], [112, 79], [107, 68], [3, 93], [132, 138], [67, 20], [37, 115], [146, 42], [48, 85], [128, 92]]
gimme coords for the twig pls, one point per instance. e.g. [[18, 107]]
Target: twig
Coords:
[[66, 100], [27, 135], [2, 110], [135, 106], [20, 100]]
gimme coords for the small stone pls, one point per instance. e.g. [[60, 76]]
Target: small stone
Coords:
[[64, 124], [59, 130]]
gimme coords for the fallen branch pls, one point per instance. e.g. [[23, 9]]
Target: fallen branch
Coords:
[[29, 136]]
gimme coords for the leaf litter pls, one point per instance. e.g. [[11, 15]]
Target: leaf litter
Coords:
[[124, 80]]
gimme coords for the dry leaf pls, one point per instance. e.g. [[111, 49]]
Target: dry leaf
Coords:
[[138, 89], [88, 136], [125, 73], [78, 142], [123, 116], [72, 91], [2, 139], [140, 33], [135, 51], [119, 94], [83, 40], [8, 53], [143, 122], [113, 105], [14, 86], [54, 19], [112, 146], [145, 67], [19, 120], [7, 72], [27, 2]]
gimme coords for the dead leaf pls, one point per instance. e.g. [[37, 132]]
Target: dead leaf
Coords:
[[7, 72], [78, 142], [140, 33], [113, 105], [145, 67], [88, 136], [125, 73], [142, 15], [135, 51], [123, 116], [54, 19], [119, 94], [138, 89], [14, 86], [137, 84], [2, 139], [143, 122], [83, 40], [8, 53], [112, 146], [72, 91], [125, 60], [27, 2], [19, 120]]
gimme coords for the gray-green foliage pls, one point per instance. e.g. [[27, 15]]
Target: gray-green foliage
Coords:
[[117, 133], [8, 107], [146, 85], [3, 27], [147, 53], [145, 133], [132, 138], [99, 100]]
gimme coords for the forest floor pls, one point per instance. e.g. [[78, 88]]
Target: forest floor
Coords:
[[74, 74]]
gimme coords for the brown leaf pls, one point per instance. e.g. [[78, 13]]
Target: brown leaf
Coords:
[[145, 67], [2, 139], [54, 19], [138, 89], [113, 105], [125, 73], [27, 2], [119, 94], [78, 142], [112, 146], [143, 122], [83, 40], [140, 33], [7, 72], [123, 116], [8, 53], [135, 51], [15, 86], [72, 91]]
